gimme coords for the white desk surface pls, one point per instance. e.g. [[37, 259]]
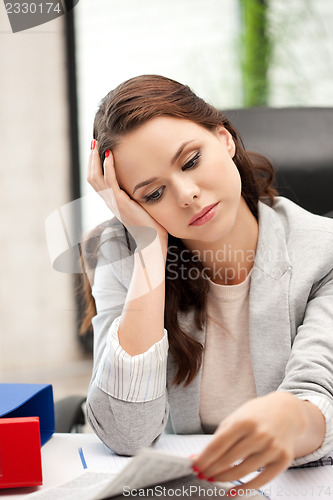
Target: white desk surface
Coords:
[[61, 462]]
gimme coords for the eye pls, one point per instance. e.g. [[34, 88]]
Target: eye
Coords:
[[155, 196], [192, 162]]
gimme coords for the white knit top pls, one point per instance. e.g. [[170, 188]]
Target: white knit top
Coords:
[[227, 376]]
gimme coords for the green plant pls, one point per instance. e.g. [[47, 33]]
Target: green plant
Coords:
[[256, 49]]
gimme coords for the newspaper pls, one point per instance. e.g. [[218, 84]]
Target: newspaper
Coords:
[[148, 468]]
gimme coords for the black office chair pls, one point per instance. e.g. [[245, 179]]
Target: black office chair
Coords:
[[69, 414], [298, 142]]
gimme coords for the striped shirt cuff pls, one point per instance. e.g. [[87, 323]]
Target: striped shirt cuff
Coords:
[[133, 378], [326, 407]]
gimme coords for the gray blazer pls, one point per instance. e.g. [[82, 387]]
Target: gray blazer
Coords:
[[290, 327]]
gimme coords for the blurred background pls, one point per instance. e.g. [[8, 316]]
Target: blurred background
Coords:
[[233, 53]]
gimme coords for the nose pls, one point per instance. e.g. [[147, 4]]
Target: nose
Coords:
[[186, 193]]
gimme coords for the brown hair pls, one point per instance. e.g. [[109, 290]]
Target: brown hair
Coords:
[[122, 110]]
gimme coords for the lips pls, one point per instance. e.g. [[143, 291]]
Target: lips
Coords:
[[202, 213]]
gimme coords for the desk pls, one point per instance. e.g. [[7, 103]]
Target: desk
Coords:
[[61, 462]]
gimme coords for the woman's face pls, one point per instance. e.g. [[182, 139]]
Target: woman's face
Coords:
[[176, 169]]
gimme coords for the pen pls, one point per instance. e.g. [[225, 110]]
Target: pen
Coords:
[[316, 463], [84, 463], [237, 483]]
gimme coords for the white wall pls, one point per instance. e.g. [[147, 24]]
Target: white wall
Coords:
[[197, 42], [37, 333], [193, 41]]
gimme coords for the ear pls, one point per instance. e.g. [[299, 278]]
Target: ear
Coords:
[[225, 136]]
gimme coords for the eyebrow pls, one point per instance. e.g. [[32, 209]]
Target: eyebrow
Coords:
[[144, 183], [179, 151], [173, 161]]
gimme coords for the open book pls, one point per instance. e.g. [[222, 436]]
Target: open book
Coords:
[[149, 468]]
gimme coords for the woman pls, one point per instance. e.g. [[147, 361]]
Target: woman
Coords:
[[213, 295]]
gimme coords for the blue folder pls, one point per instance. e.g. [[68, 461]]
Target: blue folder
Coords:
[[29, 400]]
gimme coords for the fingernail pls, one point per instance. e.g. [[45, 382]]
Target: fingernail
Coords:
[[93, 144], [231, 493], [211, 479], [195, 468], [200, 475], [107, 153]]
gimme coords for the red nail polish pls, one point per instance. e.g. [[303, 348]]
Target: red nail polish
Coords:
[[211, 479], [107, 153], [195, 468], [201, 476], [231, 493]]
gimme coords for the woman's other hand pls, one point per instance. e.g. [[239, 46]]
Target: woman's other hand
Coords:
[[262, 433], [127, 210]]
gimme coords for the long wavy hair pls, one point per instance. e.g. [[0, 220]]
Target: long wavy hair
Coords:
[[123, 110]]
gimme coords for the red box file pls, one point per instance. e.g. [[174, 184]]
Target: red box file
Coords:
[[20, 455]]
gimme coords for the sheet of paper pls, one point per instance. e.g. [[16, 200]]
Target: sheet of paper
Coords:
[[311, 483], [184, 445], [99, 458], [87, 486], [149, 467], [146, 469]]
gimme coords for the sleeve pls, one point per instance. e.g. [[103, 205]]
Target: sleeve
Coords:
[[132, 378], [326, 407], [127, 403], [309, 371]]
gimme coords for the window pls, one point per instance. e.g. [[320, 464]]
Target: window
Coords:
[[198, 42], [192, 41]]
